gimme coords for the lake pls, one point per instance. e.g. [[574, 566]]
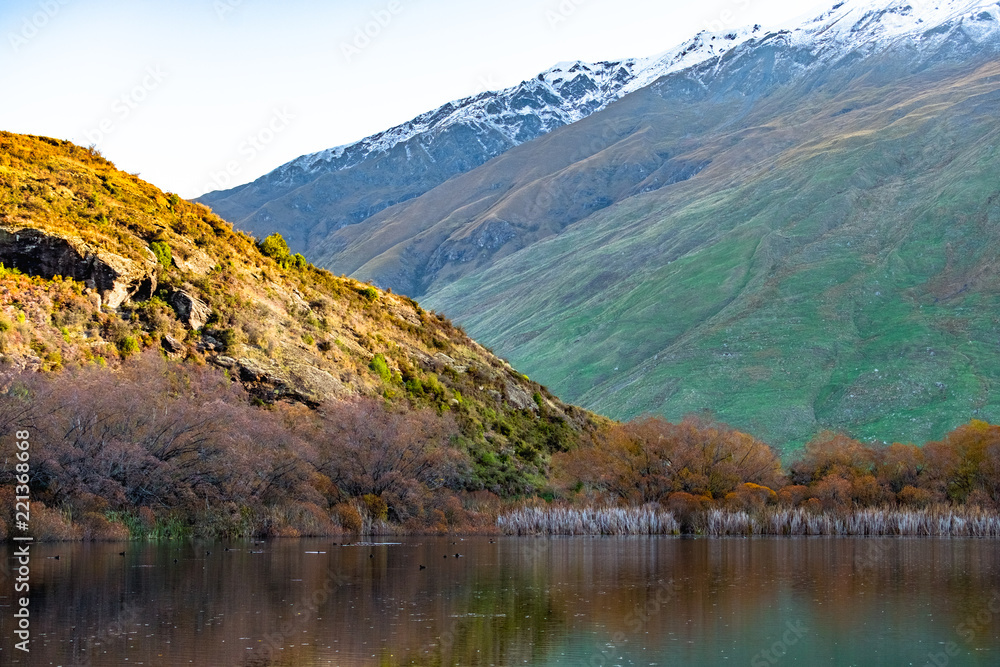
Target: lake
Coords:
[[514, 601]]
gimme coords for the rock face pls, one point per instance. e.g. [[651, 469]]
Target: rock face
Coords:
[[173, 347], [298, 382], [190, 310], [115, 278]]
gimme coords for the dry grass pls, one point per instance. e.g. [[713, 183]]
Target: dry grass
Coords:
[[646, 520], [938, 521]]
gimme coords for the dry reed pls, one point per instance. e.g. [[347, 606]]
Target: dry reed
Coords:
[[938, 521]]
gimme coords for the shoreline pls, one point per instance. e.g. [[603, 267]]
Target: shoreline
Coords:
[[942, 521]]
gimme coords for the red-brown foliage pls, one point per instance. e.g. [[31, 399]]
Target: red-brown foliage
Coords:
[[645, 460]]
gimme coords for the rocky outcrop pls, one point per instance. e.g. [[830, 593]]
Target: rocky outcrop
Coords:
[[191, 310], [193, 261], [519, 397], [173, 347], [297, 382], [115, 278]]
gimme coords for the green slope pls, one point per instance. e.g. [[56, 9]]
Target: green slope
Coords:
[[833, 267]]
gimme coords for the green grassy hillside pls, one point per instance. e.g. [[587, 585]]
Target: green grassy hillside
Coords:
[[834, 265]]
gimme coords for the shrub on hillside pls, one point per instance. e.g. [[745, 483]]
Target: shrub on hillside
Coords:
[[162, 252], [275, 247]]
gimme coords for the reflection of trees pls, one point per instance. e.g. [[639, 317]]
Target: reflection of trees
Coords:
[[501, 613], [537, 600]]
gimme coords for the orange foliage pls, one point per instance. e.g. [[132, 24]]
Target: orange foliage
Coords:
[[646, 460]]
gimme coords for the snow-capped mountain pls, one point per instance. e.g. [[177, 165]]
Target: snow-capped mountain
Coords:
[[796, 223], [451, 139], [865, 26], [314, 195], [564, 94]]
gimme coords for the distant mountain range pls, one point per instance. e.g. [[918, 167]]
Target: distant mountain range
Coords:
[[793, 229], [314, 195]]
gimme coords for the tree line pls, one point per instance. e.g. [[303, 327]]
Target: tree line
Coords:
[[165, 449]]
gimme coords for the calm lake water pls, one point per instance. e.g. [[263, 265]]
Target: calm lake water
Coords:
[[518, 601]]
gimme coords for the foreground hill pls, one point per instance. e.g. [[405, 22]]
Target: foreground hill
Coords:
[[99, 266]]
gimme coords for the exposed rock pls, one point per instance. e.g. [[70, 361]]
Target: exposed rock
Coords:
[[519, 397], [297, 382], [93, 297], [209, 344], [115, 278], [404, 313], [267, 383], [314, 384], [450, 363], [191, 310], [224, 361], [196, 261], [172, 346]]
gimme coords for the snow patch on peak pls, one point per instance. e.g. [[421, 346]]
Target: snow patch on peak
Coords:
[[881, 24], [572, 90], [565, 93]]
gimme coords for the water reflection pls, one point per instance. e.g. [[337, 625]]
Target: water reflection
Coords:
[[562, 601]]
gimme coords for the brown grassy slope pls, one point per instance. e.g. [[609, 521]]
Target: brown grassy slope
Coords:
[[284, 327]]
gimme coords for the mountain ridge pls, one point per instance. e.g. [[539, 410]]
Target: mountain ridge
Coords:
[[754, 177], [454, 138]]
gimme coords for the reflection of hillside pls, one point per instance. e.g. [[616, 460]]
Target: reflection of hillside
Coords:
[[544, 601]]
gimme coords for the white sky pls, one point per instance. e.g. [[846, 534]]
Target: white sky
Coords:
[[174, 89]]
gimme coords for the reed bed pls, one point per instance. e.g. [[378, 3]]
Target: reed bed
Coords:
[[931, 522], [941, 521], [645, 520]]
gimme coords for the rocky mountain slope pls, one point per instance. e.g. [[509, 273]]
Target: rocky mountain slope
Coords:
[[311, 197], [464, 225], [98, 266]]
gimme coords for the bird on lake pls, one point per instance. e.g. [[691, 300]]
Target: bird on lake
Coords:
[[121, 553], [424, 567]]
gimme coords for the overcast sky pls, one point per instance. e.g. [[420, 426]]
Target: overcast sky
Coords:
[[195, 93]]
